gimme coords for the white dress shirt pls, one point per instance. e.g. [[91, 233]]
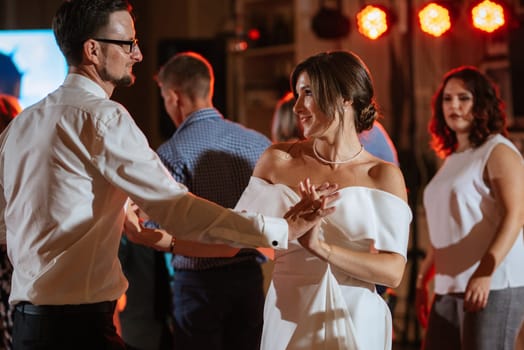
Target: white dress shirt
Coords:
[[67, 166]]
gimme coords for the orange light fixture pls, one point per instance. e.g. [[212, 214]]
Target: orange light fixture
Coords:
[[434, 19], [372, 21], [488, 16]]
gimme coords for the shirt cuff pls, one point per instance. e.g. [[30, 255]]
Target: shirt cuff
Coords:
[[248, 230], [276, 231]]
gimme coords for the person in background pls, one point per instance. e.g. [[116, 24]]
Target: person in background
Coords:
[[10, 76], [377, 142], [68, 166], [145, 320], [9, 108], [475, 214], [285, 125], [218, 299], [322, 294]]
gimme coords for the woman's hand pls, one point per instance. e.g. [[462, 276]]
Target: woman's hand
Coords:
[[311, 239], [477, 293], [312, 207]]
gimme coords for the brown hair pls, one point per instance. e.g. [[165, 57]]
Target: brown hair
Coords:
[[189, 72], [488, 111], [336, 77]]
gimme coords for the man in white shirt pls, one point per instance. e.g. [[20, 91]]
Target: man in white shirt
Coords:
[[68, 165]]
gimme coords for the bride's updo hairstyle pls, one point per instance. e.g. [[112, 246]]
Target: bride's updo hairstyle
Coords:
[[339, 76]]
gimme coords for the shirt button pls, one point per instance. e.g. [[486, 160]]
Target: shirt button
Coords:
[[274, 243]]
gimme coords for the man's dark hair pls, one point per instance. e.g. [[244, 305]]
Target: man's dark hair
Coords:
[[78, 20]]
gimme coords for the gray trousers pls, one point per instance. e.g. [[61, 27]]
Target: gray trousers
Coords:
[[493, 328]]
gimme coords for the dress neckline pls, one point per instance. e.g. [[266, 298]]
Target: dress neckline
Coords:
[[343, 189]]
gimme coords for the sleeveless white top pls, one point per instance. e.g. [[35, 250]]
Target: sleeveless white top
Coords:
[[463, 217]]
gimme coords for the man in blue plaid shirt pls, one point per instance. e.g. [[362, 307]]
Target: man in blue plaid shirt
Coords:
[[218, 290]]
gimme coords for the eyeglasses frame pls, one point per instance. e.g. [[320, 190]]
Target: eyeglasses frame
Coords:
[[132, 43]]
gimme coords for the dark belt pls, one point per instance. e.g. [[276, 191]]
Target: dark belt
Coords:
[[30, 309]]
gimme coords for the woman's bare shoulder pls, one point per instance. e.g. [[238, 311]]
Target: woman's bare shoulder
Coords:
[[277, 157], [388, 177]]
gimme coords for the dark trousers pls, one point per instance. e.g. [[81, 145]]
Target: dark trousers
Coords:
[[63, 328], [219, 309]]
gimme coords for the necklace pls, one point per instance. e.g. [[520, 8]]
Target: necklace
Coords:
[[323, 160]]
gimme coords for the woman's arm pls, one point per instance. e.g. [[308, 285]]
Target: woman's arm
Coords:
[[378, 267], [504, 174], [384, 268]]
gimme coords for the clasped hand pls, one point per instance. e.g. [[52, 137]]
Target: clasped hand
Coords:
[[311, 208], [301, 218], [137, 233]]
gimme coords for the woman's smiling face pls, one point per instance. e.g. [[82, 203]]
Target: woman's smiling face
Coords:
[[314, 122]]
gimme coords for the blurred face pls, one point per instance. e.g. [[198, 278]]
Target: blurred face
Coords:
[[457, 105], [118, 60], [313, 121]]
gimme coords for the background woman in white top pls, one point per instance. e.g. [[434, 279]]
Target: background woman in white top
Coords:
[[475, 212]]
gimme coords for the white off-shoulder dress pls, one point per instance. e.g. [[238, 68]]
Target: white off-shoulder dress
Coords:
[[313, 305]]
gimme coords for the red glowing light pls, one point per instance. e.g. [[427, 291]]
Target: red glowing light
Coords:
[[253, 34], [372, 22], [434, 19], [488, 16]]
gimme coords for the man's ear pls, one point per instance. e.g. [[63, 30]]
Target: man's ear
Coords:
[[172, 96], [92, 51]]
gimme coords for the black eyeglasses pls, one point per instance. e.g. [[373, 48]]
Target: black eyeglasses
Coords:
[[131, 43]]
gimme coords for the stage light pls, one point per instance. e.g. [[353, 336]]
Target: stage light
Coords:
[[488, 16], [253, 34], [373, 21], [434, 19]]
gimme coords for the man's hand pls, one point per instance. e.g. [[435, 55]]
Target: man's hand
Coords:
[[136, 233], [132, 223], [311, 209]]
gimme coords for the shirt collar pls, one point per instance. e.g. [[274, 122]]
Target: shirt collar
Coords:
[[201, 114], [77, 80]]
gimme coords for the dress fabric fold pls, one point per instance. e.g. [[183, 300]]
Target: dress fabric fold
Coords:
[[311, 304]]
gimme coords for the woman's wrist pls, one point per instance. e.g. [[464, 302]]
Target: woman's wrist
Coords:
[[327, 248]]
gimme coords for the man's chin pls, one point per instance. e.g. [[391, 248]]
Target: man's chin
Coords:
[[126, 81]]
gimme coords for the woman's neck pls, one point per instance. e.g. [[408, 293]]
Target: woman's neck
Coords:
[[336, 153], [462, 142]]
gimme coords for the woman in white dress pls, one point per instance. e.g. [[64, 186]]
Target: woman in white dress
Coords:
[[322, 295]]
